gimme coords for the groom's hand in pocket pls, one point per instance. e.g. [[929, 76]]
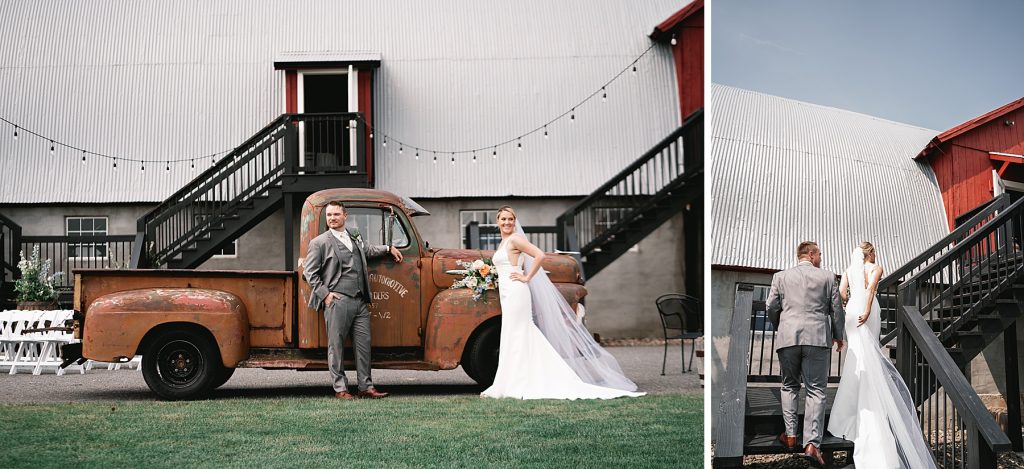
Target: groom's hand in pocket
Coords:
[[840, 345]]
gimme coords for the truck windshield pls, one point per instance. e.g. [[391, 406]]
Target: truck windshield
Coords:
[[372, 224]]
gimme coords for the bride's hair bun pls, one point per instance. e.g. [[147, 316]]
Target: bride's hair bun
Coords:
[[867, 248]]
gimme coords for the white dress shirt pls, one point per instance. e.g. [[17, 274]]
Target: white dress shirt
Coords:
[[343, 237]]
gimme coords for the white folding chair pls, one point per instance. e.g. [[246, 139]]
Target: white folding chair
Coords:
[[26, 352], [49, 356], [6, 343]]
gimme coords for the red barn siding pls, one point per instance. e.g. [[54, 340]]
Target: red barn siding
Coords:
[[689, 56], [965, 179], [365, 84], [960, 158]]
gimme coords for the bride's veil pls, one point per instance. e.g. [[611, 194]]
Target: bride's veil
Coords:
[[557, 321]]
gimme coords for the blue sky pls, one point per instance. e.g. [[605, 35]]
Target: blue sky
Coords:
[[933, 64]]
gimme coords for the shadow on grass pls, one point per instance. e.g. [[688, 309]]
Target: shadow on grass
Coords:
[[398, 391]]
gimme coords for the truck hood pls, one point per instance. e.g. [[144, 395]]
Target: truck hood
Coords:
[[561, 268]]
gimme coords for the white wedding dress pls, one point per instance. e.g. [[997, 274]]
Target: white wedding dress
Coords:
[[529, 367], [873, 407]]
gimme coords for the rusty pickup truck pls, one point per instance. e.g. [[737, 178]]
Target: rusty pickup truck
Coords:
[[193, 328]]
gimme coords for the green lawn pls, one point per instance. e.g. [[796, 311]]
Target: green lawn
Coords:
[[651, 431]]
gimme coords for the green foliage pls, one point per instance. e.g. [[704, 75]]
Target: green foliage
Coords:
[[413, 432], [36, 283]]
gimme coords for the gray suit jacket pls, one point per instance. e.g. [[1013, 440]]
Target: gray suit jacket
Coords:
[[322, 270], [804, 306]]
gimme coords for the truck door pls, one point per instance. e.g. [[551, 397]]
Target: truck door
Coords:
[[395, 305]]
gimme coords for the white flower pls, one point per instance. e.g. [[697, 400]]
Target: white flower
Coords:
[[471, 282], [477, 264]]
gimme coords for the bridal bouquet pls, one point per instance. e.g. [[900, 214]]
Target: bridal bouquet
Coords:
[[480, 276]]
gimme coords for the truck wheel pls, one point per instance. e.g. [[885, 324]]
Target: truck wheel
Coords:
[[483, 355], [223, 376], [181, 364]]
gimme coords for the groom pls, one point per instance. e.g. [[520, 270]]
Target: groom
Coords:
[[336, 271], [804, 306]]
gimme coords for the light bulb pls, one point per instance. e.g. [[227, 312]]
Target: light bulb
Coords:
[[435, 158], [168, 167], [494, 153], [604, 95], [572, 115], [385, 143], [417, 154], [453, 159], [83, 156], [52, 148], [474, 157], [400, 148], [143, 166], [519, 145], [371, 134], [192, 164], [634, 69], [545, 132], [115, 163], [674, 41], [15, 132]]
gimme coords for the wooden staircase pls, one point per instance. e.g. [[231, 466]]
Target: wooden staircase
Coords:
[[939, 311], [249, 184], [644, 195]]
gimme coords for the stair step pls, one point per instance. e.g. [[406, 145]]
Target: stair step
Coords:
[[769, 444]]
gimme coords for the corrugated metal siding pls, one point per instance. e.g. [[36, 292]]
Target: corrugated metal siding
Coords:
[[783, 171], [166, 81]]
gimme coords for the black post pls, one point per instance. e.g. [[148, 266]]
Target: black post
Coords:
[[291, 146], [1010, 363], [289, 231], [473, 235], [693, 249]]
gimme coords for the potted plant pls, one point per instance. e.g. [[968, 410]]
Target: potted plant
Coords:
[[35, 287]]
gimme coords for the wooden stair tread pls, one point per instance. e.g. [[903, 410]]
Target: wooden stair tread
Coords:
[[769, 444]]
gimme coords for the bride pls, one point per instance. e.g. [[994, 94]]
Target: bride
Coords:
[[554, 357], [872, 405]]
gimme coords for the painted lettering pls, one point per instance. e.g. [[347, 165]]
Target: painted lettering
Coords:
[[390, 283]]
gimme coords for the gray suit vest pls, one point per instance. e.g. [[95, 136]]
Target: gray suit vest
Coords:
[[350, 282]]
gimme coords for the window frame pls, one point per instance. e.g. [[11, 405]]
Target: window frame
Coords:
[[67, 234]]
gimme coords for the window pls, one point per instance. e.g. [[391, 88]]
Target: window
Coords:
[[374, 226], [489, 235], [230, 250], [86, 226], [607, 217], [759, 315]]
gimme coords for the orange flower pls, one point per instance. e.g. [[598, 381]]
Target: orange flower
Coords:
[[486, 269]]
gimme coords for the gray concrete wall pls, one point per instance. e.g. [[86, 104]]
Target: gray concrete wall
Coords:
[[49, 220], [716, 355], [987, 371]]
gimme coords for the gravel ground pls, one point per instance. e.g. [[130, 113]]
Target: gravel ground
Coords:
[[790, 461], [641, 363]]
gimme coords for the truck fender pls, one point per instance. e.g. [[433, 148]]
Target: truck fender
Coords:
[[454, 316], [116, 323]]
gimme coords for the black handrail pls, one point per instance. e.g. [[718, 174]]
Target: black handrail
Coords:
[[673, 161], [248, 172], [998, 202], [982, 215], [10, 245]]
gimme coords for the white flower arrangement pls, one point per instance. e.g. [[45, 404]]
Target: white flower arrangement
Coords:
[[480, 276]]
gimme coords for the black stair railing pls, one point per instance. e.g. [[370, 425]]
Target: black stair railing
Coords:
[[10, 247], [327, 143], [967, 224], [678, 158], [933, 306]]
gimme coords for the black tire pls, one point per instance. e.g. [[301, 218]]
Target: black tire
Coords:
[[481, 359], [181, 364], [223, 376]]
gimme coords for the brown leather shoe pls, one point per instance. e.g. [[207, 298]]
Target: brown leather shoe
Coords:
[[344, 395], [372, 393], [787, 441], [813, 456]]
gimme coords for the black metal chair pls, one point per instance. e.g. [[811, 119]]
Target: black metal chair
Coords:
[[681, 318]]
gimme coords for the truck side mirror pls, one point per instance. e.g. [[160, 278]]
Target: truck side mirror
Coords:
[[426, 245]]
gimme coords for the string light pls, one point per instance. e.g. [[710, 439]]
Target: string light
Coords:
[[115, 163], [372, 131], [168, 167], [192, 165], [674, 41], [417, 155]]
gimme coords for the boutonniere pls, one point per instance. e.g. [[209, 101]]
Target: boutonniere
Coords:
[[354, 234]]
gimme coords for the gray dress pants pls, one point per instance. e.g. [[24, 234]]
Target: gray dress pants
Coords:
[[343, 315], [810, 364]]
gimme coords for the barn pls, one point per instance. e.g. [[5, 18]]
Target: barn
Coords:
[[937, 206], [117, 115]]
